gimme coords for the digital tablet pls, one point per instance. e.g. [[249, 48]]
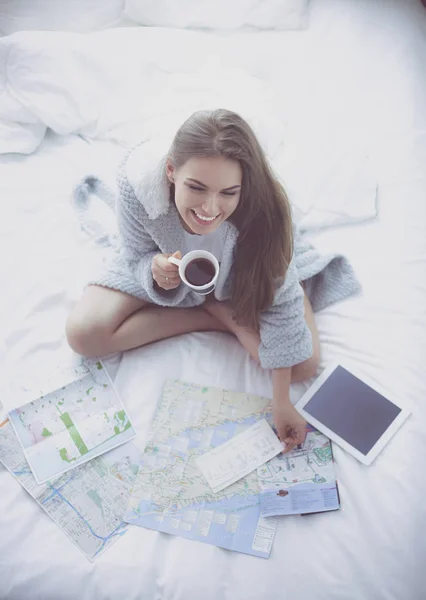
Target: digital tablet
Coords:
[[354, 414]]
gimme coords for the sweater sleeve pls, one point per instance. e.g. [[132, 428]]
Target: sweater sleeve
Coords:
[[138, 249], [285, 337]]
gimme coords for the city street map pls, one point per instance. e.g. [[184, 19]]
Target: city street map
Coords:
[[170, 493]]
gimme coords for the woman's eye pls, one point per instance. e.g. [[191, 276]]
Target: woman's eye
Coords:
[[199, 189]]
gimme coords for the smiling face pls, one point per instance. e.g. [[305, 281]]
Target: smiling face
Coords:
[[207, 191]]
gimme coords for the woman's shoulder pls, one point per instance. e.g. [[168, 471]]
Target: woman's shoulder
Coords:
[[143, 180]]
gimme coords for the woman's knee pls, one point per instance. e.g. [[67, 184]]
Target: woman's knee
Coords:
[[86, 334], [92, 322]]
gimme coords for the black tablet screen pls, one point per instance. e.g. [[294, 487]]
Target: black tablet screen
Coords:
[[352, 409]]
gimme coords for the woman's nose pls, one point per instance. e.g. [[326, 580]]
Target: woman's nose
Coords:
[[211, 205]]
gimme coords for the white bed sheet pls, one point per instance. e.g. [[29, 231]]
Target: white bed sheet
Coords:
[[374, 548]]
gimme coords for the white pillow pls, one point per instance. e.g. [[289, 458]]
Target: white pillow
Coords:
[[328, 183], [20, 130], [64, 15], [219, 14], [56, 79], [20, 138], [171, 98]]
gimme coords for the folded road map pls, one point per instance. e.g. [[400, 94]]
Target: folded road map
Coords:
[[71, 425]]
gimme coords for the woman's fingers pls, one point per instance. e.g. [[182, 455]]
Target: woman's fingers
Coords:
[[162, 262], [290, 443], [294, 438], [166, 282], [165, 273], [169, 274]]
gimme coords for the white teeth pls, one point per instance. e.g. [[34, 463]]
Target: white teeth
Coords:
[[204, 218]]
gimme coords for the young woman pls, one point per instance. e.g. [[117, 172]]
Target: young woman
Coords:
[[213, 190]]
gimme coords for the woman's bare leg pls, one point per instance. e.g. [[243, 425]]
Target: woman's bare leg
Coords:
[[106, 321], [251, 339], [248, 338]]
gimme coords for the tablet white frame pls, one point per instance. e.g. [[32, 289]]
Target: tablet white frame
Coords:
[[365, 459]]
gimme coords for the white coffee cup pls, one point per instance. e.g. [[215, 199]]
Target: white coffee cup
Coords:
[[192, 257]]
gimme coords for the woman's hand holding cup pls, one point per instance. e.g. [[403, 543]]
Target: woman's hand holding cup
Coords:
[[165, 273]]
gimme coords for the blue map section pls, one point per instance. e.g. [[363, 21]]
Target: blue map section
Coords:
[[231, 523], [88, 503], [219, 433], [246, 509]]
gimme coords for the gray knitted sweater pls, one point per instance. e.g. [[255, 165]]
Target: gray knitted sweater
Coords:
[[149, 224]]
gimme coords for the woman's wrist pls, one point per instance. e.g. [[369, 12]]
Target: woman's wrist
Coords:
[[281, 400]]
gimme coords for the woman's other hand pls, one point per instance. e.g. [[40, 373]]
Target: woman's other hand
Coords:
[[164, 273], [290, 425]]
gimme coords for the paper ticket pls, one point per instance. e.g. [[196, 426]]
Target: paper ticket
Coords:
[[229, 462]]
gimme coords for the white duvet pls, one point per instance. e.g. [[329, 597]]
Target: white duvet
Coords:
[[344, 124]]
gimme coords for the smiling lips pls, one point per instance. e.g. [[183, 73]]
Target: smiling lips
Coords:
[[201, 218]]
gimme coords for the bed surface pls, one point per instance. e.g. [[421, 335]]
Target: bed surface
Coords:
[[355, 78]]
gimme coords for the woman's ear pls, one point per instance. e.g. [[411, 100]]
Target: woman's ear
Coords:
[[170, 171]]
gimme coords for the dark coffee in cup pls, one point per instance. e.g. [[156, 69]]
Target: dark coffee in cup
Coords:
[[200, 271]]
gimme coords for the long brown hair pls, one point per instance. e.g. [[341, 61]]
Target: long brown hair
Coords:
[[263, 216]]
